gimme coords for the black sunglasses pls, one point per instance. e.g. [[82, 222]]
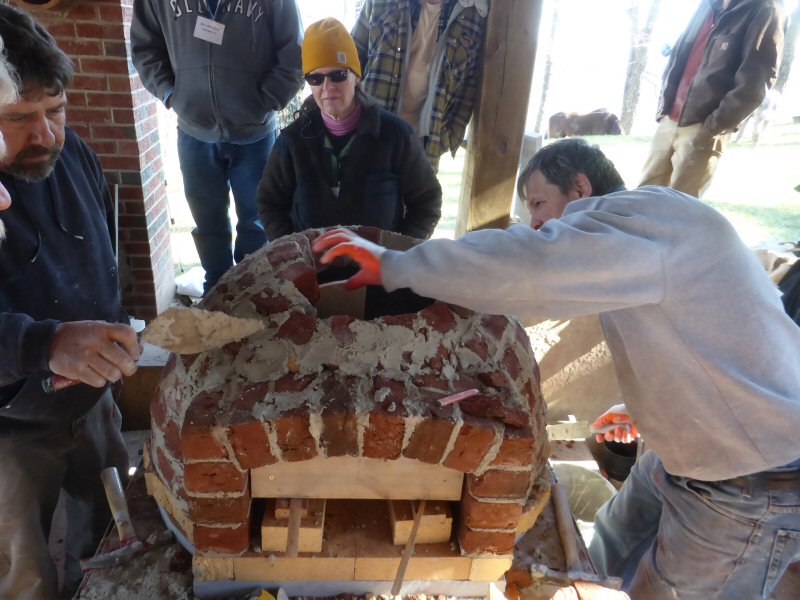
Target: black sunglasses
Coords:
[[316, 79]]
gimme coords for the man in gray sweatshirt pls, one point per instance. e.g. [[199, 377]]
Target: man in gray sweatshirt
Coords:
[[706, 357], [224, 67]]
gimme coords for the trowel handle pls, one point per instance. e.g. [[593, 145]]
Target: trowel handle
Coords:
[[116, 500], [53, 383]]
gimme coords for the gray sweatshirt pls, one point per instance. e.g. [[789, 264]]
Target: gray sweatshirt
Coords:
[[224, 92], [707, 359]]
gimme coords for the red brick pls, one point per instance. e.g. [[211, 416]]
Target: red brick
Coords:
[[340, 327], [429, 440], [298, 328], [433, 382], [496, 380], [94, 83], [495, 325], [383, 437], [82, 12], [340, 433], [462, 312], [405, 320], [283, 252], [483, 405], [292, 383], [267, 305], [489, 515], [197, 441], [499, 484], [473, 441], [88, 115], [517, 448], [224, 540], [97, 31], [224, 510], [109, 100], [512, 364], [172, 440], [164, 467], [480, 542], [103, 65], [304, 278], [387, 391], [294, 437], [439, 317], [211, 477], [251, 445], [81, 47]]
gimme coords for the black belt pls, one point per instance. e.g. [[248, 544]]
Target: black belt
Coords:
[[767, 480]]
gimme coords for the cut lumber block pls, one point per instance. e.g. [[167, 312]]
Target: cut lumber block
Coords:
[[275, 532], [282, 508], [357, 546], [342, 477], [436, 525]]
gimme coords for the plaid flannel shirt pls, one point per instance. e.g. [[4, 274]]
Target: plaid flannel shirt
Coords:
[[383, 35]]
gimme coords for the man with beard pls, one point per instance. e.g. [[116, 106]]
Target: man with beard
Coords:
[[60, 312]]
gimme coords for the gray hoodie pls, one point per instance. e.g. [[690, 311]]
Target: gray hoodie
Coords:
[[224, 92], [707, 359]]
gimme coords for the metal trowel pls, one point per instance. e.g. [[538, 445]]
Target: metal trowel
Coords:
[[183, 331]]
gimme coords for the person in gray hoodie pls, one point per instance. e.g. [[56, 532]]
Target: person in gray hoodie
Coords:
[[224, 67], [706, 357]]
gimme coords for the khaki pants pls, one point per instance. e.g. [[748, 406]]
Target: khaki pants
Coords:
[[683, 158], [36, 463]]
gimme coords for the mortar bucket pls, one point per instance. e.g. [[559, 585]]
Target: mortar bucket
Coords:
[[587, 489]]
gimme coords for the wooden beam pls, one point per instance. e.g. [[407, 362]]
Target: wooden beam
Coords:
[[497, 128], [357, 478], [436, 525], [275, 530]]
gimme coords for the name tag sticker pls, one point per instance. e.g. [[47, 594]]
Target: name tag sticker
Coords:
[[209, 31]]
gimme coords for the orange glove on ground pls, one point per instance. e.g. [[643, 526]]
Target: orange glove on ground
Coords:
[[626, 433], [343, 242]]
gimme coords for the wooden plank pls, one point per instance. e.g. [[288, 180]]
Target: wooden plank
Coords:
[[497, 127], [357, 546], [165, 498], [300, 568], [282, 508], [207, 568], [275, 532], [357, 478], [489, 568], [436, 525]]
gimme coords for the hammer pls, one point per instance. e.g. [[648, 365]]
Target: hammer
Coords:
[[566, 531], [130, 545]]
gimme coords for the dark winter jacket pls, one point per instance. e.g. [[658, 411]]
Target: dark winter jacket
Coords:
[[739, 65], [385, 179], [227, 92], [56, 264]]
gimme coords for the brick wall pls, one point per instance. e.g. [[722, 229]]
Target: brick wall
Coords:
[[116, 116], [330, 386]]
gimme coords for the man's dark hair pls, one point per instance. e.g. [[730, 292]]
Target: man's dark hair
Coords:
[[561, 161], [38, 63]]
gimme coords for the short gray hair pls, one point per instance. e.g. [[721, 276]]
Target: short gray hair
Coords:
[[8, 84]]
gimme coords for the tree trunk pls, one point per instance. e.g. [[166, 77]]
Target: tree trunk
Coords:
[[637, 61], [788, 50], [547, 67]]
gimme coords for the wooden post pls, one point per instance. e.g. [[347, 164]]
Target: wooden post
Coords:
[[490, 167]]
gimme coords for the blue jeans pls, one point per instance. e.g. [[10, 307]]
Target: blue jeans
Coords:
[[210, 171], [679, 538]]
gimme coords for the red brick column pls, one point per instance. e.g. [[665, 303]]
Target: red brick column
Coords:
[[116, 116]]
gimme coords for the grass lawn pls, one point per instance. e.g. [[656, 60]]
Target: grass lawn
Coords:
[[753, 187]]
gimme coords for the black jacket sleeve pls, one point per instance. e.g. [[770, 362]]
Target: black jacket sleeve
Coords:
[[419, 190], [275, 193]]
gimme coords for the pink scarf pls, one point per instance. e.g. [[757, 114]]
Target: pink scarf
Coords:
[[345, 126]]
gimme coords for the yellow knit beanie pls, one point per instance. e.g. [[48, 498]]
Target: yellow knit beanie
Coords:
[[328, 44]]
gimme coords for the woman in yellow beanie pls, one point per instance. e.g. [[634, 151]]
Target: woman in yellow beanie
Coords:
[[344, 160]]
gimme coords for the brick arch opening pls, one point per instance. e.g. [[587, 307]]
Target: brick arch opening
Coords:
[[339, 388]]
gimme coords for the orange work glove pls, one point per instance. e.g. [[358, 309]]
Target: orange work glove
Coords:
[[343, 242], [604, 429]]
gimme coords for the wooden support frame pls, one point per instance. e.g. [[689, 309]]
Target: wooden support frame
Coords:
[[497, 127]]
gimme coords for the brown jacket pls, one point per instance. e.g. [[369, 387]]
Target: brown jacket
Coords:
[[739, 65]]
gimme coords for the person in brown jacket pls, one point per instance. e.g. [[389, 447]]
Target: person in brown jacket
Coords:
[[718, 73]]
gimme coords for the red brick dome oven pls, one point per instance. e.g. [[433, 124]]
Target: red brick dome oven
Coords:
[[321, 384]]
